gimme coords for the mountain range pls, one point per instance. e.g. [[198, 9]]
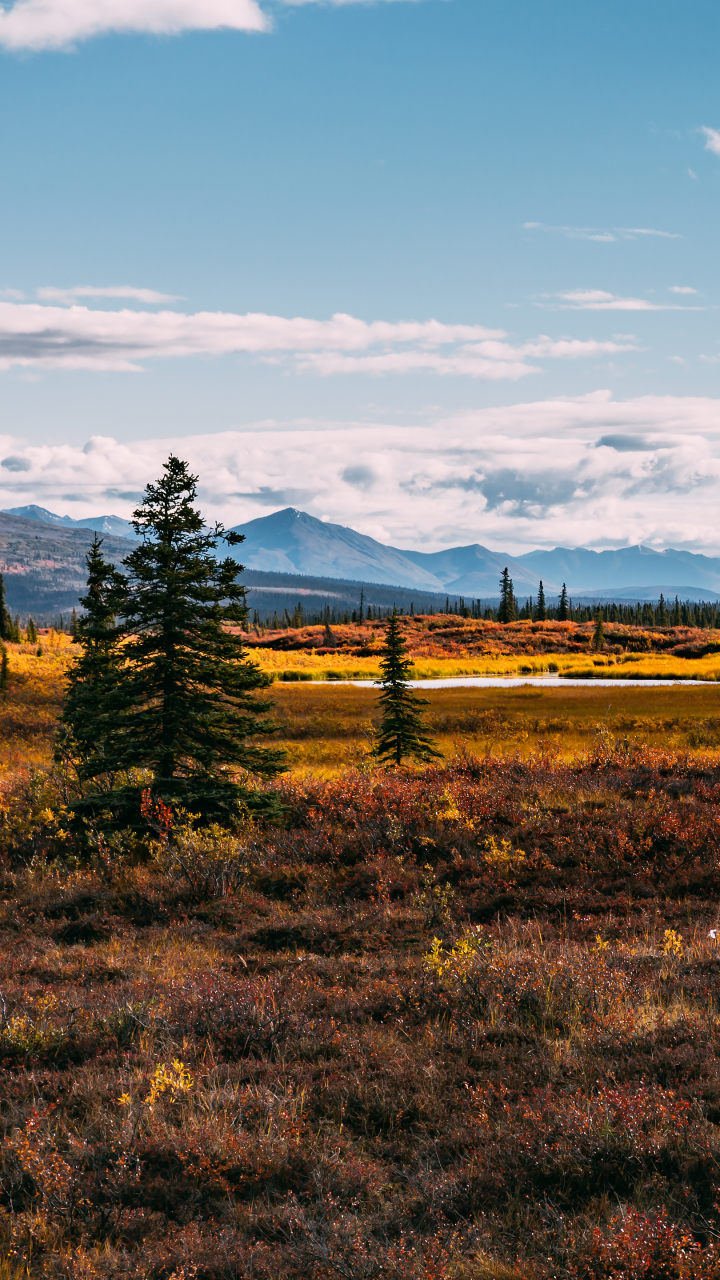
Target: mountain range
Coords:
[[42, 556], [292, 541], [114, 525]]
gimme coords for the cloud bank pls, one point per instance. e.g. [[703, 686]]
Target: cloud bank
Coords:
[[78, 337], [59, 24], [583, 471]]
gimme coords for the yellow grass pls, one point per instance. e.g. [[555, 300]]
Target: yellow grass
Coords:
[[325, 728], [328, 666], [32, 701]]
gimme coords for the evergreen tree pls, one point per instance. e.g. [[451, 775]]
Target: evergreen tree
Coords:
[[506, 612], [563, 605], [4, 665], [676, 614], [31, 632], [92, 695], [661, 612], [540, 606], [5, 619], [180, 715], [401, 728], [599, 632]]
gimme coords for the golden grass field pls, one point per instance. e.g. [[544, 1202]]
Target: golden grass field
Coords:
[[326, 727], [629, 666]]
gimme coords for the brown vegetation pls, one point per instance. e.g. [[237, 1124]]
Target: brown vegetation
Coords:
[[450, 636], [457, 1023]]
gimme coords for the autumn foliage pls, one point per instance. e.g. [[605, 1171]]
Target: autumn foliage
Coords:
[[459, 1022]]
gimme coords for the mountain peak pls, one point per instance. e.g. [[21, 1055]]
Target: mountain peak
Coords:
[[114, 525]]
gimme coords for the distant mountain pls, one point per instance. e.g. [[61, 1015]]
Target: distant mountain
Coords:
[[632, 595], [629, 567], [475, 572], [42, 556], [44, 564], [113, 525], [291, 541]]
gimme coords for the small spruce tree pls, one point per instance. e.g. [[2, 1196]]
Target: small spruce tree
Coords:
[[402, 732], [661, 612], [540, 605], [563, 605], [506, 612], [599, 632], [92, 695], [31, 632], [4, 666]]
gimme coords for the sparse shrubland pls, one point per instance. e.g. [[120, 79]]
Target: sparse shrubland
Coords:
[[459, 1022]]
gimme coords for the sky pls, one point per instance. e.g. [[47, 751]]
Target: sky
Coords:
[[441, 270]]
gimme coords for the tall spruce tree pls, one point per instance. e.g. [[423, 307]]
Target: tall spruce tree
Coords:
[[5, 619], [88, 721], [402, 732], [182, 714], [506, 612], [563, 605], [540, 605]]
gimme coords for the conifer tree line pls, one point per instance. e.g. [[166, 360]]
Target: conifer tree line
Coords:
[[663, 613]]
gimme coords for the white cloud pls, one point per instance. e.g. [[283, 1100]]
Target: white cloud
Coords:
[[573, 233], [59, 24], [600, 235], [125, 291], [599, 300], [630, 232], [681, 288], [488, 360], [511, 477], [55, 24], [78, 337], [712, 140]]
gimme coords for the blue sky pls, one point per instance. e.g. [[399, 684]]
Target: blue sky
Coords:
[[539, 178]]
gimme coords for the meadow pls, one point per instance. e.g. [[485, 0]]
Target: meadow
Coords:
[[452, 646], [325, 726], [455, 1022]]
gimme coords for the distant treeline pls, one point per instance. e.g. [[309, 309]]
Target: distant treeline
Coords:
[[663, 613]]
